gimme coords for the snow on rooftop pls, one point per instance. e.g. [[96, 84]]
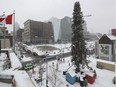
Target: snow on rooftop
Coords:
[[111, 37]]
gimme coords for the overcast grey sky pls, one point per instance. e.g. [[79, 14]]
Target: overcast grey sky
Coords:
[[102, 20]]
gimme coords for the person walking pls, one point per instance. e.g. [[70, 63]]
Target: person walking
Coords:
[[82, 79], [86, 83]]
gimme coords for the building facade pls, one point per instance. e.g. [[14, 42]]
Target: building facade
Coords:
[[38, 32], [6, 40], [107, 47], [19, 34], [56, 27], [65, 33]]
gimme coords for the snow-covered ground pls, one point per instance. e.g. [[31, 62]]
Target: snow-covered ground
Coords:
[[41, 50], [5, 84], [104, 77], [60, 48]]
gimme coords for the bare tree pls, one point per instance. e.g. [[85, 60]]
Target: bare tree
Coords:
[[54, 78]]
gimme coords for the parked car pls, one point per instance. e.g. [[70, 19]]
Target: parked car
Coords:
[[42, 56], [35, 54], [28, 66]]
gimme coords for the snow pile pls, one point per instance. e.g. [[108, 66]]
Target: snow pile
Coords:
[[15, 62], [3, 58]]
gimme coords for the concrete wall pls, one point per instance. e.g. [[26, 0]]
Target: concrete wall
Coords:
[[107, 66], [7, 43]]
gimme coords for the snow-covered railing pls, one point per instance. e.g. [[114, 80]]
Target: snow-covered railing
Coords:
[[23, 80], [15, 62]]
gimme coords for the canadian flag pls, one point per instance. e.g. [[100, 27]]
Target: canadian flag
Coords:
[[2, 20], [8, 19], [5, 20]]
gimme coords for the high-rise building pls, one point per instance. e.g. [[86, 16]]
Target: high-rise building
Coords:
[[65, 33], [56, 27], [16, 27], [19, 34], [38, 32]]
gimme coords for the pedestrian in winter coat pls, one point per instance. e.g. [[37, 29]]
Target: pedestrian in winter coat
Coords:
[[85, 83], [82, 79]]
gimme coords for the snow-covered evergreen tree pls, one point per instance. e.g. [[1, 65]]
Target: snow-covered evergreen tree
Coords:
[[78, 42]]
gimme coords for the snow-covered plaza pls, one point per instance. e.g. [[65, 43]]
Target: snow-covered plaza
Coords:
[[53, 71]]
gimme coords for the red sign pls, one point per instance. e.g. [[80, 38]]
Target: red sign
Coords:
[[114, 32]]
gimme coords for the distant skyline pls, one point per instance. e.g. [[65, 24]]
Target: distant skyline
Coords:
[[102, 20]]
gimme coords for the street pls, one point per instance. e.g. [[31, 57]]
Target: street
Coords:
[[38, 60]]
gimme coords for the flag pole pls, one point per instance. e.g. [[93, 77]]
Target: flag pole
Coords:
[[4, 33], [14, 30]]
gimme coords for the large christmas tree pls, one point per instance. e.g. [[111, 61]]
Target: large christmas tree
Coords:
[[78, 43]]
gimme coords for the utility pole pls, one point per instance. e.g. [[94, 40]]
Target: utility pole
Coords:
[[4, 34], [14, 32]]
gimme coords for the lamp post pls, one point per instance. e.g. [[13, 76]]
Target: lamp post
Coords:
[[46, 73], [46, 66], [61, 51], [57, 67]]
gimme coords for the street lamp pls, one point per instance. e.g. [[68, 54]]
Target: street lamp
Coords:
[[61, 51], [46, 67], [57, 67], [46, 73]]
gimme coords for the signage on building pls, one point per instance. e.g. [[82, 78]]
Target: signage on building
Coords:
[[114, 32], [105, 50]]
